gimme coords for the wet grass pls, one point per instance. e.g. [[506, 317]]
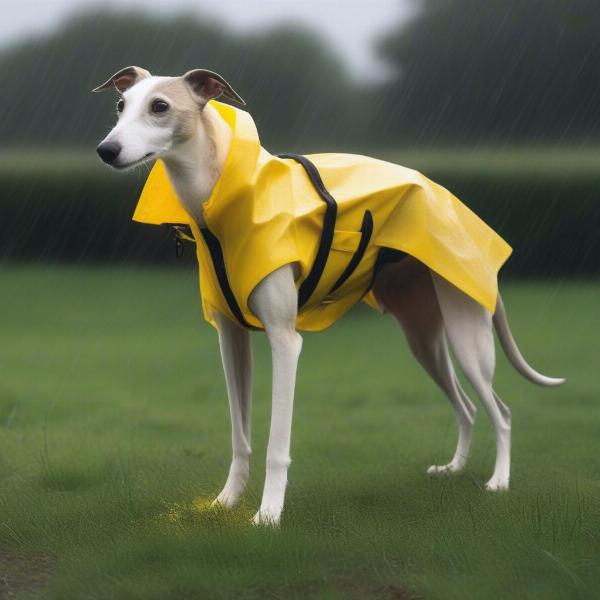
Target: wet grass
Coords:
[[114, 420]]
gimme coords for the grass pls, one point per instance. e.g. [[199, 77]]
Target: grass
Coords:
[[114, 419]]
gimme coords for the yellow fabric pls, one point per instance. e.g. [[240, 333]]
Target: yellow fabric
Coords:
[[266, 213]]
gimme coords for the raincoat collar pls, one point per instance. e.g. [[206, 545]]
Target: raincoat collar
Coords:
[[240, 165], [158, 202]]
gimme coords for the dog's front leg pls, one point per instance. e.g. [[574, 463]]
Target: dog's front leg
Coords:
[[275, 302], [236, 353]]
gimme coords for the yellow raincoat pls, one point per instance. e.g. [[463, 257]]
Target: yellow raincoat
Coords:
[[266, 211]]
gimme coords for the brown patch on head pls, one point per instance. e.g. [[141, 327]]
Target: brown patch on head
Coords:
[[124, 79], [207, 85], [183, 107]]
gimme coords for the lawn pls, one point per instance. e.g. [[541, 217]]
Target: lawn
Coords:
[[114, 420]]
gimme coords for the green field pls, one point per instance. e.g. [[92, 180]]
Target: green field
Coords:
[[114, 419]]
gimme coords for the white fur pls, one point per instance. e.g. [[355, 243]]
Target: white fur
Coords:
[[140, 138], [438, 313]]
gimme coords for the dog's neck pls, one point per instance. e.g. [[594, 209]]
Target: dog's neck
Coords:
[[197, 163]]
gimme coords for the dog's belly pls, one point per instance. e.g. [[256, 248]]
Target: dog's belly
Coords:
[[405, 289]]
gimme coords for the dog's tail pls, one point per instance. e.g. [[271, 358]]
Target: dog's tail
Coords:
[[507, 341]]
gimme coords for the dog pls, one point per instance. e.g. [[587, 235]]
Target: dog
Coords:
[[175, 119]]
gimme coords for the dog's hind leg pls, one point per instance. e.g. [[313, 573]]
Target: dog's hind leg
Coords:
[[406, 291], [469, 329], [432, 353], [439, 365], [236, 354]]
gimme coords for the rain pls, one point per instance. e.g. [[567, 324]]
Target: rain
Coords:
[[114, 416]]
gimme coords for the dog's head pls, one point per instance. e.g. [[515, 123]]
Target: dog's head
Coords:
[[156, 114]]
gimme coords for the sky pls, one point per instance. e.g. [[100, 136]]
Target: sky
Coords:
[[350, 29]]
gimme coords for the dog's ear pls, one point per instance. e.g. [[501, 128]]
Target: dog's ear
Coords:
[[207, 85], [122, 80]]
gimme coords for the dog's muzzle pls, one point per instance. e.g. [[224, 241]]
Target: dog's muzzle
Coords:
[[108, 151]]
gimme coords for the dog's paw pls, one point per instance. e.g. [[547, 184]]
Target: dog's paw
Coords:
[[449, 469], [266, 517], [225, 500], [234, 487], [497, 485]]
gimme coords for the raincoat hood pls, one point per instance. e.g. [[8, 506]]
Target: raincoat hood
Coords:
[[338, 216]]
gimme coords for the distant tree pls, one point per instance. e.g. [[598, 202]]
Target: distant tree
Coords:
[[296, 88], [473, 70]]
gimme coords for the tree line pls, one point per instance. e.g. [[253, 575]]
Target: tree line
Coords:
[[463, 72]]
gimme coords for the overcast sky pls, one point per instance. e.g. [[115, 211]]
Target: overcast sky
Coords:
[[350, 25]]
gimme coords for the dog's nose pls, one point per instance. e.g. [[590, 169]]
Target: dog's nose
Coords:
[[108, 151]]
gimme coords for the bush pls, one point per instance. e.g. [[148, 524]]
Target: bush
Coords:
[[54, 212], [66, 209]]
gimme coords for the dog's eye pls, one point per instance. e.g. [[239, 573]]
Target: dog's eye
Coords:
[[159, 106], [120, 105]]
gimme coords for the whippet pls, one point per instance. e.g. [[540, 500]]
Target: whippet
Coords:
[[171, 118]]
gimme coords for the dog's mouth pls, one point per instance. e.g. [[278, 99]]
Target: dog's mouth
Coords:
[[135, 163]]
